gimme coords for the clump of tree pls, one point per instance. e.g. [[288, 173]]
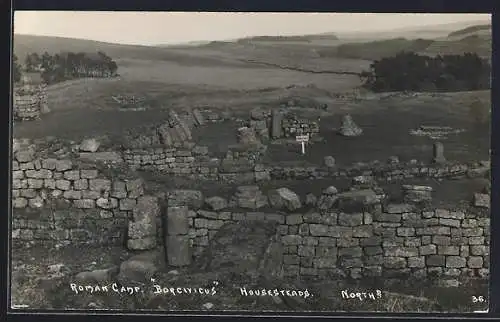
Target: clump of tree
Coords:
[[69, 65], [16, 69], [408, 71]]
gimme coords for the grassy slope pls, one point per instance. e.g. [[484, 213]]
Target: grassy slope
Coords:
[[216, 74], [471, 30], [475, 38]]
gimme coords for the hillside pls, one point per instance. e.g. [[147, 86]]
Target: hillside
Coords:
[[378, 49], [461, 42], [24, 44], [304, 38], [472, 30], [473, 43]]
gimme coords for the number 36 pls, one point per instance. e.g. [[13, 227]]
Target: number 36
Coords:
[[477, 299]]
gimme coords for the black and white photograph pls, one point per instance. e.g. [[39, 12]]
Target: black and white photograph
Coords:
[[250, 162]]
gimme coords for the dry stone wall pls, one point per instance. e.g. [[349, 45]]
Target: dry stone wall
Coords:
[[63, 201], [239, 165], [30, 102], [386, 172], [353, 234], [26, 107], [293, 126]]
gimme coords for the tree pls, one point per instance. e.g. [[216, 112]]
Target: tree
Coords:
[[16, 69], [32, 62], [74, 65], [408, 71]]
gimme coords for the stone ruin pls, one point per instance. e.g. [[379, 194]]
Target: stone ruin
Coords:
[[174, 132], [278, 124], [337, 234], [247, 136], [293, 125], [438, 153], [349, 128], [436, 132], [129, 102], [356, 233], [30, 101]]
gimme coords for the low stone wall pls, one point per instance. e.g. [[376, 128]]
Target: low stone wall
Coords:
[[62, 201], [344, 240], [293, 126], [394, 243], [243, 166], [30, 102], [238, 166], [176, 161], [386, 172], [26, 107]]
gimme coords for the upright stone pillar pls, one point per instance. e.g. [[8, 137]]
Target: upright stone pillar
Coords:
[[276, 127], [177, 238], [438, 153], [142, 229]]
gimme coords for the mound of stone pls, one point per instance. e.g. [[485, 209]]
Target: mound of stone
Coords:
[[482, 200], [349, 128], [249, 197], [89, 145], [142, 267], [246, 136], [357, 200]]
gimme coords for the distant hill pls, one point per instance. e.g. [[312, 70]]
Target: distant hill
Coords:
[[473, 44], [426, 32], [297, 38], [377, 49], [472, 30], [475, 39], [24, 44]]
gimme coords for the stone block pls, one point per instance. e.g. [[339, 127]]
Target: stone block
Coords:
[[436, 260], [72, 194], [395, 262], [119, 190], [88, 174], [100, 185], [64, 165], [63, 184], [141, 229], [81, 184], [107, 203], [455, 262], [72, 175], [178, 250], [178, 221], [352, 219], [146, 209], [401, 251], [84, 203]]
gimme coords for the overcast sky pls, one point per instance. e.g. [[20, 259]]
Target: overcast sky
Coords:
[[150, 28]]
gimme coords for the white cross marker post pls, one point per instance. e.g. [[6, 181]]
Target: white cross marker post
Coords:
[[303, 139]]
